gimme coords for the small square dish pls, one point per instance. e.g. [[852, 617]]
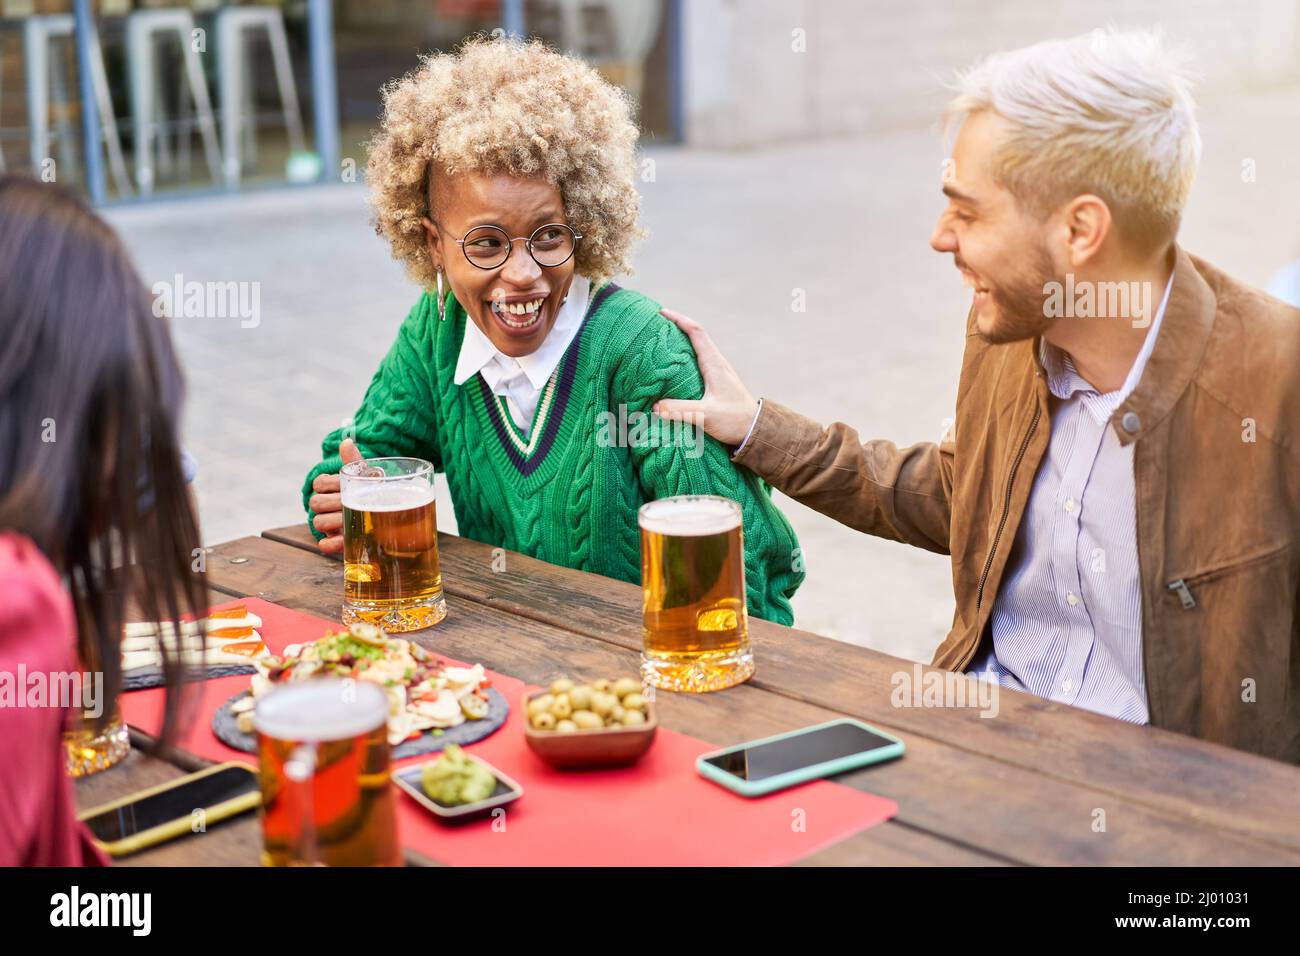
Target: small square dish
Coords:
[[410, 780], [590, 749]]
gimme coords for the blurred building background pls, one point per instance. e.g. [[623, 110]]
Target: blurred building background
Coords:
[[792, 157], [872, 67], [709, 73]]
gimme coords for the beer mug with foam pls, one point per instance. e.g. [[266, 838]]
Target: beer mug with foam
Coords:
[[391, 575], [696, 634], [327, 799]]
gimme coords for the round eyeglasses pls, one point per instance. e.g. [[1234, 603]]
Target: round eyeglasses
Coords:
[[488, 247]]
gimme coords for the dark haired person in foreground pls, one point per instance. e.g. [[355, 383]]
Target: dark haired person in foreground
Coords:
[[90, 396], [1120, 493]]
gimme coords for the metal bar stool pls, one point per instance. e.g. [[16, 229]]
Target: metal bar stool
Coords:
[[143, 28], [238, 116], [44, 75], [634, 25]]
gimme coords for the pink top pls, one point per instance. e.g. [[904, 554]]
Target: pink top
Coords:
[[38, 825]]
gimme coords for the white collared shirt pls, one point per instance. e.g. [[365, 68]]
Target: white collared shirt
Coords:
[[1067, 620], [521, 380]]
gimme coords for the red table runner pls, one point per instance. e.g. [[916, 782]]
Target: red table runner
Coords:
[[659, 812]]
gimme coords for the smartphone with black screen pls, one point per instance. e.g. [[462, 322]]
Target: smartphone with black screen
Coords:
[[161, 813], [773, 763]]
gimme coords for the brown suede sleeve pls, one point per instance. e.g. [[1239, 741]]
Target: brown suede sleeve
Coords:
[[902, 494]]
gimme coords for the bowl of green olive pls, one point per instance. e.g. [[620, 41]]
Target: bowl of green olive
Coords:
[[602, 723]]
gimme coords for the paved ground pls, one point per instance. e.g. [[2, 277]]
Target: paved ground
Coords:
[[732, 236]]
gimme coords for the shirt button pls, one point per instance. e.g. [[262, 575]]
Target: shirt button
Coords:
[[1069, 505], [1071, 598], [1066, 685], [1130, 422]]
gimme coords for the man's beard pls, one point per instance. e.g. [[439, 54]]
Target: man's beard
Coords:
[[1019, 301]]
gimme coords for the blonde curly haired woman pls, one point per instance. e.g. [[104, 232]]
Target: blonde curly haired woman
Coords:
[[502, 176]]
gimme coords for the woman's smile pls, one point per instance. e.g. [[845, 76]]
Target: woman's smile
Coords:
[[519, 314]]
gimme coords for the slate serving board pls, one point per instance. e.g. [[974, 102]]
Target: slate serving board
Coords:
[[142, 678]]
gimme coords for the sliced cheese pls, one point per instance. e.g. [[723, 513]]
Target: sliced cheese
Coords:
[[139, 654]]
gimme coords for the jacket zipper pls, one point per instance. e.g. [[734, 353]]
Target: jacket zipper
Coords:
[[1006, 507], [1184, 593], [1183, 586]]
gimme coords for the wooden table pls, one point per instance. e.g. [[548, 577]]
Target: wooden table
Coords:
[[1041, 783]]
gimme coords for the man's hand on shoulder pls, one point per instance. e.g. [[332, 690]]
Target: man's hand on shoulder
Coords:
[[727, 409]]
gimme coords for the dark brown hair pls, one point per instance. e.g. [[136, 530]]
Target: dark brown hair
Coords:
[[90, 397]]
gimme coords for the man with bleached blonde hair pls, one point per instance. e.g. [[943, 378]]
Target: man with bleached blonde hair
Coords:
[[1120, 492]]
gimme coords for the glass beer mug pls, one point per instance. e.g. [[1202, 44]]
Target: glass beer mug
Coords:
[[88, 749], [327, 799], [391, 575], [696, 635]]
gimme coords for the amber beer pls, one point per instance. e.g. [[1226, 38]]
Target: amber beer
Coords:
[[390, 544], [326, 795], [87, 750], [693, 589]]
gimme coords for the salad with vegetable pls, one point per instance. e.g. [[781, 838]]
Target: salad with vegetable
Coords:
[[424, 692]]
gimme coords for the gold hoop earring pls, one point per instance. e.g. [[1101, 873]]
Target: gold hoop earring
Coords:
[[442, 302]]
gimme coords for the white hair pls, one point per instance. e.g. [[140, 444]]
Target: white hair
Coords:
[[1109, 113]]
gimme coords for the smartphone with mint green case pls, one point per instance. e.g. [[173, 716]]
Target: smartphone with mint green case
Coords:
[[880, 746]]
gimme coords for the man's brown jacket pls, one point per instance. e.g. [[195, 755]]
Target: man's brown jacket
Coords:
[[1215, 422]]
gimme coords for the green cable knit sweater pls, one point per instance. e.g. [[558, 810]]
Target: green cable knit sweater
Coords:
[[567, 493]]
